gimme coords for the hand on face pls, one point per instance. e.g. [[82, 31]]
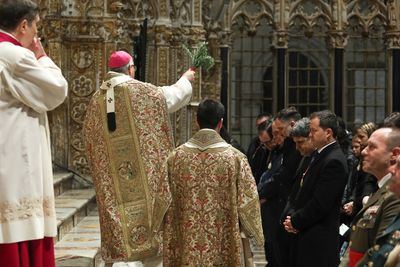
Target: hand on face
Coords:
[[37, 48]]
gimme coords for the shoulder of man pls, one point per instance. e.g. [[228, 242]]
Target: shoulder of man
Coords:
[[144, 88], [13, 54], [335, 154]]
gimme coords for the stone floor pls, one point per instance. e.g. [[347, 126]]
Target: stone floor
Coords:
[[78, 239]]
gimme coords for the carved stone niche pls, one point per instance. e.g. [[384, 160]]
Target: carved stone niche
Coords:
[[392, 40]]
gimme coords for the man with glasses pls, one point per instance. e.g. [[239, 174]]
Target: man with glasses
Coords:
[[128, 138]]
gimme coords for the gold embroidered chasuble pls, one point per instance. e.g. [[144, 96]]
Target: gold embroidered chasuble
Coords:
[[128, 168], [214, 199]]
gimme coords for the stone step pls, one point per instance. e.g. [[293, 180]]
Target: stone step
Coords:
[[80, 247], [258, 256], [63, 181], [71, 207], [78, 225]]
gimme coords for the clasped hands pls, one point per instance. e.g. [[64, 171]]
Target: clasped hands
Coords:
[[288, 226]]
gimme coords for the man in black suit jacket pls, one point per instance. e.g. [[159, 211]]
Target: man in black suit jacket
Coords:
[[257, 152], [316, 198], [274, 193]]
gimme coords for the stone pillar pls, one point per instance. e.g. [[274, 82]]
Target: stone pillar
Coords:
[[280, 42], [225, 81], [395, 79], [393, 46], [337, 41], [51, 31], [83, 77]]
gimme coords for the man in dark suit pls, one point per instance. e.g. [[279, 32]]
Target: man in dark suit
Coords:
[[314, 217], [383, 206], [301, 136], [275, 190], [257, 152]]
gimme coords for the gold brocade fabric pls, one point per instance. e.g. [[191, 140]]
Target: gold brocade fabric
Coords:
[[214, 198], [128, 168]]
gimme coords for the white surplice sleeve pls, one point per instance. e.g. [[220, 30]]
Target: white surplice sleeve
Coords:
[[38, 84], [177, 95]]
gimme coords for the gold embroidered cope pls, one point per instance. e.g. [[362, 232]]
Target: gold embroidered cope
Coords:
[[128, 168], [214, 199]]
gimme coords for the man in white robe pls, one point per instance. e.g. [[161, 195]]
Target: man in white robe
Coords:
[[30, 85]]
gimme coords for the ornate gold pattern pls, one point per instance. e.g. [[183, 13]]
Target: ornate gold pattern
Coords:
[[163, 63], [130, 163], [164, 8], [197, 11], [210, 190]]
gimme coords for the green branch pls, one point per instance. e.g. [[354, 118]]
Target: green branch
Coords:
[[199, 56]]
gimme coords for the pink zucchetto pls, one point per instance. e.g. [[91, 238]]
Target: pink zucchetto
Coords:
[[119, 59]]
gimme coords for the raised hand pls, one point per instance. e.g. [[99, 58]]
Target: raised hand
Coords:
[[37, 48], [189, 74]]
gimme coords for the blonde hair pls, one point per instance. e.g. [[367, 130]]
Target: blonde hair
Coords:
[[368, 128]]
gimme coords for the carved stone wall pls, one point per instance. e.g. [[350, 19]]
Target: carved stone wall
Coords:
[[80, 35]]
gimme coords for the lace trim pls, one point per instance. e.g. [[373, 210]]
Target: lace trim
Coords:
[[26, 208]]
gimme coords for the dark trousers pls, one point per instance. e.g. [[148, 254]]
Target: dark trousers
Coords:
[[275, 238]]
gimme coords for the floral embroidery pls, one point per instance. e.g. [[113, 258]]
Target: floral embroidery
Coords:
[[26, 208], [210, 190], [127, 168]]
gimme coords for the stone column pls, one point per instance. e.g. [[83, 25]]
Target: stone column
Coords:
[[393, 46], [280, 43], [337, 40]]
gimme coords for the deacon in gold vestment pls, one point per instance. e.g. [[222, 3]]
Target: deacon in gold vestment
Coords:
[[214, 198], [128, 138]]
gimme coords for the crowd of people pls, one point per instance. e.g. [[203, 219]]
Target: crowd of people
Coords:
[[310, 191], [328, 196]]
